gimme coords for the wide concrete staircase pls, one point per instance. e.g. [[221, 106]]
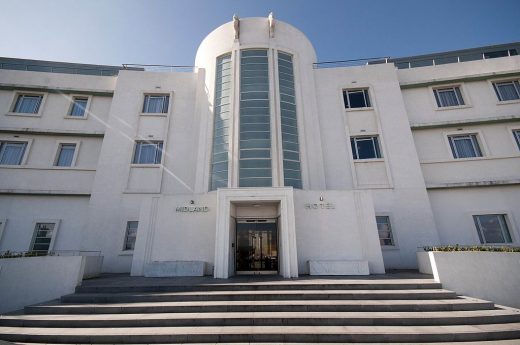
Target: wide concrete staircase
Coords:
[[382, 309]]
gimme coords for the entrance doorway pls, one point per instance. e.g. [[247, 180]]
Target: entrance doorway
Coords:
[[256, 246]]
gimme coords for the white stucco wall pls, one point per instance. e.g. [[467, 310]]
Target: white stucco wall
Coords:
[[26, 281], [487, 275], [454, 210], [24, 211]]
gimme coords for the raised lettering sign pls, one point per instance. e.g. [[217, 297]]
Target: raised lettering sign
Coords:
[[320, 206], [192, 209]]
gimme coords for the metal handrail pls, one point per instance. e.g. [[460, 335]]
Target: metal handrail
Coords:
[[159, 68]]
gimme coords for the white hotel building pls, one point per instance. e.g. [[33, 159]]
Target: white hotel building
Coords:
[[260, 160]]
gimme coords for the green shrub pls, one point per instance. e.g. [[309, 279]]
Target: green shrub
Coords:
[[476, 248]]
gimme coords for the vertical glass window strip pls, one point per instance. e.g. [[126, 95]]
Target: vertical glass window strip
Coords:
[[28, 104], [79, 106], [255, 130], [65, 155], [42, 237], [11, 153], [290, 144], [219, 159], [130, 235]]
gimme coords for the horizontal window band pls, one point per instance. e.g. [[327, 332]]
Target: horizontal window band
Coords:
[[249, 173], [254, 164], [253, 52], [258, 153]]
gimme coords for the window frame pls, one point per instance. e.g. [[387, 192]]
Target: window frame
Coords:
[[515, 131], [71, 105], [155, 93], [393, 236], [134, 155], [25, 155], [367, 94], [14, 100], [125, 251], [465, 98], [56, 223], [377, 148], [57, 151], [509, 227], [503, 81], [480, 142], [3, 222]]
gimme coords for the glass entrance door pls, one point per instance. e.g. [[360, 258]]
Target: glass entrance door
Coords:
[[256, 246]]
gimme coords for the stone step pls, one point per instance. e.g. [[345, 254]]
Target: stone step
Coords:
[[460, 303], [260, 295], [262, 286], [491, 342], [266, 319], [305, 334]]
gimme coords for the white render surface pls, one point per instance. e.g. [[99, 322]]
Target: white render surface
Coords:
[[338, 268], [174, 269], [492, 276], [429, 197], [25, 281]]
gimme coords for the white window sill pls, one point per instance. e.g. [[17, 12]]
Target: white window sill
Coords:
[[23, 114], [513, 101], [136, 165], [69, 117], [369, 160], [359, 109], [455, 160], [154, 114], [126, 253], [453, 107], [388, 247]]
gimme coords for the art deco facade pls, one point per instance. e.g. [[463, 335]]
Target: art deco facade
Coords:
[[260, 160]]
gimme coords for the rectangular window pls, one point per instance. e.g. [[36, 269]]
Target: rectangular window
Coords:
[[448, 97], [507, 91], [148, 152], [156, 104], [356, 98], [130, 235], [492, 228], [365, 147], [78, 107], [385, 231], [516, 133], [27, 104], [65, 155], [42, 237], [464, 146], [11, 152]]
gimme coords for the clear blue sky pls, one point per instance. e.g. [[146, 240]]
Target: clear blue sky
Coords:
[[169, 32]]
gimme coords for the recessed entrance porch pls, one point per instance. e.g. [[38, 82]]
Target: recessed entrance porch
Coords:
[[256, 246], [255, 232]]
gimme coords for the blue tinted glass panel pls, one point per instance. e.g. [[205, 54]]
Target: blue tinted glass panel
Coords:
[[290, 147], [255, 127], [219, 159]]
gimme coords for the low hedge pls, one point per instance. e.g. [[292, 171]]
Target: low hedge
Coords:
[[457, 248]]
